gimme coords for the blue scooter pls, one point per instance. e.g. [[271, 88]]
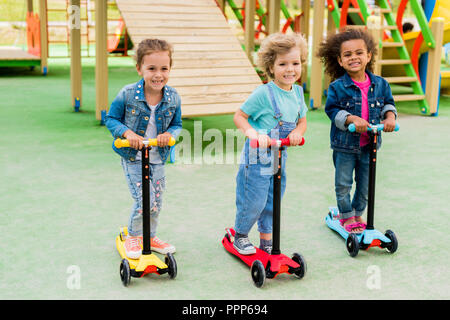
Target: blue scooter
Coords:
[[370, 237]]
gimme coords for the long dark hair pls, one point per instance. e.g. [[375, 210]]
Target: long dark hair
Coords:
[[330, 50]]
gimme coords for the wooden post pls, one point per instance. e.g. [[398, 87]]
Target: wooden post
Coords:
[[273, 17], [101, 60], [316, 85], [304, 29], [331, 29], [434, 64], [29, 5], [75, 53], [44, 37], [374, 23], [249, 40]]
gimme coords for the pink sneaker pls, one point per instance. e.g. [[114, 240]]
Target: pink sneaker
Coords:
[[160, 246], [133, 248]]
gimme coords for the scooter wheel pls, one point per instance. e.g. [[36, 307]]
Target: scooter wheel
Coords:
[[393, 245], [300, 272], [172, 264], [258, 273], [352, 245], [125, 273]]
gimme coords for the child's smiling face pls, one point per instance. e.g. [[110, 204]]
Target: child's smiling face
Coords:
[[155, 69], [287, 68], [354, 58]]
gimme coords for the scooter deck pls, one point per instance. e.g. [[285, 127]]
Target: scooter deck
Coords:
[[367, 237], [278, 263], [147, 263]]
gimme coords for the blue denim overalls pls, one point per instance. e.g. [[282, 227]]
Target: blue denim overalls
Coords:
[[254, 181]]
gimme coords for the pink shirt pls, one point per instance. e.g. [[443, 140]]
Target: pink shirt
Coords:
[[364, 86]]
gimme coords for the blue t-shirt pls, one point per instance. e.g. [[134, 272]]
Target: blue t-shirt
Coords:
[[258, 106]]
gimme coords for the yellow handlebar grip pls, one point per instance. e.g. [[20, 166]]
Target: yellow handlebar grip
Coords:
[[121, 143], [172, 142]]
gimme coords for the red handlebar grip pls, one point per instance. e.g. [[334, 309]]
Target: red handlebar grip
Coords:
[[284, 142]]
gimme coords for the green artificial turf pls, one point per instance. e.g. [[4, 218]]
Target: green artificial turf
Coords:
[[63, 198]]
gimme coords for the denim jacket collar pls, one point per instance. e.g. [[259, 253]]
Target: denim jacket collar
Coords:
[[349, 82], [140, 95]]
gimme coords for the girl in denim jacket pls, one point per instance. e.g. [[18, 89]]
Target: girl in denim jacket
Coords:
[[144, 110], [355, 96], [274, 110]]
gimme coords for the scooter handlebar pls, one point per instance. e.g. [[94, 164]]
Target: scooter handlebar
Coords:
[[122, 143], [274, 142], [379, 127]]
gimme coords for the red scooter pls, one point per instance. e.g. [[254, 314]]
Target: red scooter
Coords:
[[262, 264]]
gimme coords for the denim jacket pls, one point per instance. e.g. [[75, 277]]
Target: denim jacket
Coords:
[[130, 110], [344, 99]]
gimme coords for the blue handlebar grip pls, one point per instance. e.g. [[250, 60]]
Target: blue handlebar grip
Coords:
[[351, 127]]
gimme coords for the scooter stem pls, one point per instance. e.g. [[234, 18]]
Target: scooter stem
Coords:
[[277, 204], [146, 200], [372, 175]]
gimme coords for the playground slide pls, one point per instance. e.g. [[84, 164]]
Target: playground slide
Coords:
[[442, 9], [120, 42], [211, 72]]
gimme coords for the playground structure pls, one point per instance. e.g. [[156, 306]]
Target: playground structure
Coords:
[[398, 58], [211, 71], [36, 54]]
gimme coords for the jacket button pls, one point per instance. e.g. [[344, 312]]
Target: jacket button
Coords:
[[146, 118], [141, 131], [159, 118], [131, 159], [372, 105], [133, 111], [136, 97]]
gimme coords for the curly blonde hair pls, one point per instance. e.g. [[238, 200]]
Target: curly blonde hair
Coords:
[[279, 43], [149, 46]]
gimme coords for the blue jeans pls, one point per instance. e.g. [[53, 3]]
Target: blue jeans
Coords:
[[133, 175], [254, 189], [345, 163]]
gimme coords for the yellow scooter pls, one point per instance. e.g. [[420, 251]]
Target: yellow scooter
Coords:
[[148, 262]]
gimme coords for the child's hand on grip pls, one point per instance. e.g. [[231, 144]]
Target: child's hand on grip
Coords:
[[264, 141], [360, 124], [389, 122], [134, 139], [163, 139], [295, 138]]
